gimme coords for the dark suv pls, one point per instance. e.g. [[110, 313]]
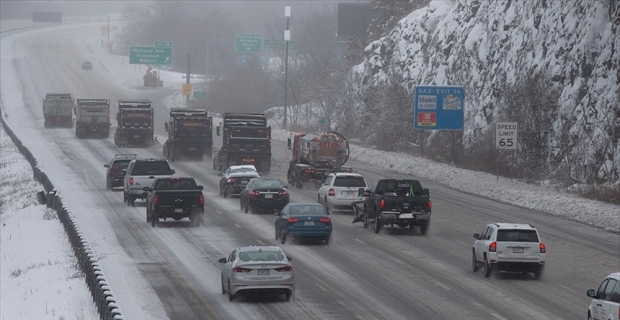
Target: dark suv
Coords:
[[115, 173]]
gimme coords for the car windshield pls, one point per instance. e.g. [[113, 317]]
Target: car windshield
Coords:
[[261, 255], [241, 170], [517, 235], [357, 182], [120, 164], [311, 210], [176, 184], [268, 184], [151, 167]]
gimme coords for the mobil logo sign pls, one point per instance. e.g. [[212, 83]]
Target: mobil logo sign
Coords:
[[426, 102]]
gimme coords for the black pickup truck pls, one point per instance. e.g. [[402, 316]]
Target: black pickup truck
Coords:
[[175, 198], [395, 202]]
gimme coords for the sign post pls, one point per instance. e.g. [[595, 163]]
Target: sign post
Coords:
[[439, 108]]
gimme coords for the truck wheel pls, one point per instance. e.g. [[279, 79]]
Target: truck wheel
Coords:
[[474, 262], [283, 236], [225, 193], [327, 207], [154, 221], [487, 268], [365, 217], [377, 225], [424, 227], [231, 297], [132, 201], [148, 219]]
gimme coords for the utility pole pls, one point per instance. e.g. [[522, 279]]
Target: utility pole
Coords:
[[187, 77], [108, 33], [287, 38]]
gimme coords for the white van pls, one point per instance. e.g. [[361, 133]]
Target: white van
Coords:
[[605, 303]]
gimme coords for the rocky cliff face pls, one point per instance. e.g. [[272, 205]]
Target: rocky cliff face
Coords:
[[489, 46]]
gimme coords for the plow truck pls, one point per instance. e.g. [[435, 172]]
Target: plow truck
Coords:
[[92, 118], [246, 139], [315, 156], [135, 123], [57, 108], [190, 134], [151, 79]]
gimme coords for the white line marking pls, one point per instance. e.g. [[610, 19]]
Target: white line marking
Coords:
[[497, 316], [565, 288], [238, 226], [463, 243], [320, 286], [360, 241], [218, 211], [442, 285], [476, 304], [262, 243]]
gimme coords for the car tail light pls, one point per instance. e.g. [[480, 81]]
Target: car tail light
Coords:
[[382, 204], [283, 193], [293, 220], [131, 181], [241, 269], [308, 170], [285, 268], [543, 249], [155, 200], [253, 193], [430, 205], [493, 247], [331, 193], [325, 220], [201, 200], [231, 180]]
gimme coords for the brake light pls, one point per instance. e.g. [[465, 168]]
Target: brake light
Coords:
[[155, 200], [308, 170], [293, 220], [283, 193], [493, 247], [253, 193], [430, 205], [325, 220], [231, 180], [241, 269], [543, 249], [331, 193], [131, 181], [382, 204], [285, 268], [201, 200]]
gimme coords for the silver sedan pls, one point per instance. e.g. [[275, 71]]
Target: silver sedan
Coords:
[[257, 269]]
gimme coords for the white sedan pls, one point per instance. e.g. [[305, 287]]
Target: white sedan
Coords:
[[257, 269], [340, 190]]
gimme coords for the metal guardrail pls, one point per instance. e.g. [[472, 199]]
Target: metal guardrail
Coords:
[[95, 279]]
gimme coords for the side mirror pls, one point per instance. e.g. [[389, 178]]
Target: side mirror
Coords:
[[166, 126], [222, 260], [220, 174], [172, 171], [360, 191], [217, 131], [147, 189], [291, 259], [124, 171], [200, 187], [288, 143], [106, 165], [477, 236], [591, 293]]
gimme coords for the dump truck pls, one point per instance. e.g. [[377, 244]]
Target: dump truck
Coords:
[[57, 108], [151, 79], [315, 156], [246, 139], [190, 134], [92, 118], [135, 123]]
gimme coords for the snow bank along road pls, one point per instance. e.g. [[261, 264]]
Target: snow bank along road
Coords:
[[172, 271]]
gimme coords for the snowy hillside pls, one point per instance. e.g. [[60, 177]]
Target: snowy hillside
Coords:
[[488, 46]]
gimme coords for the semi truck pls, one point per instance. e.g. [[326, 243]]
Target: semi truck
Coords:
[[190, 134], [57, 110], [315, 156], [92, 118], [135, 123], [246, 139]]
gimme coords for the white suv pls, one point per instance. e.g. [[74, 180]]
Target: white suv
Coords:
[[605, 303], [340, 190], [509, 247]]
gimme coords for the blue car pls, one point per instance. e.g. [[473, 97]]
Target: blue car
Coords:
[[307, 220]]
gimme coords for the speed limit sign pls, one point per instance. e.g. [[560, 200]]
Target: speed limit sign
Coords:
[[506, 135]]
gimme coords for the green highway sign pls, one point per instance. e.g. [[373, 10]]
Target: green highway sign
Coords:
[[276, 44], [247, 42], [199, 94], [150, 55], [165, 44]]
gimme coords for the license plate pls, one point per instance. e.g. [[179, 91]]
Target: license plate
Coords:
[[268, 196], [406, 216], [263, 272], [309, 223], [517, 250], [178, 210]]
